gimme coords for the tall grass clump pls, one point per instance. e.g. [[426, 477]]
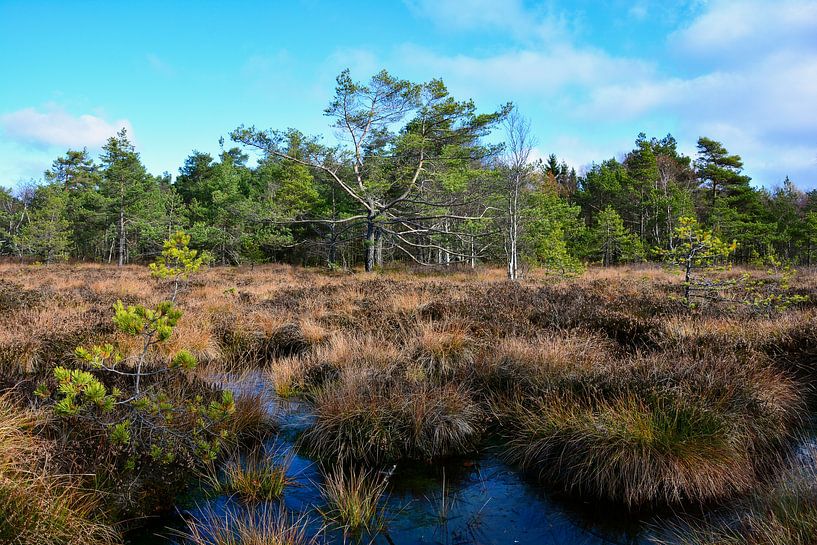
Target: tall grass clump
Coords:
[[629, 450], [441, 351], [260, 526], [255, 477], [354, 500], [643, 433], [445, 421], [36, 506], [251, 418], [783, 512], [357, 418], [286, 376], [371, 419]]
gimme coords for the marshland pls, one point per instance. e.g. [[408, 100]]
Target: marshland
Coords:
[[407, 406], [425, 272]]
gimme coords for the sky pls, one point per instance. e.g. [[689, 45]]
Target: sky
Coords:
[[589, 75]]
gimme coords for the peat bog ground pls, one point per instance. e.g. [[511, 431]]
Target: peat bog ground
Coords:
[[416, 408]]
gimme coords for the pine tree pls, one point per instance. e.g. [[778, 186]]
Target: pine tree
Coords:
[[615, 243], [47, 234], [86, 212], [130, 191], [718, 171]]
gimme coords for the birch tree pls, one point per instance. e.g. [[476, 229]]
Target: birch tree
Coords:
[[519, 144]]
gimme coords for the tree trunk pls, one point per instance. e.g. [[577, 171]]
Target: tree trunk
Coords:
[[378, 255], [370, 244], [513, 232], [121, 235], [332, 257]]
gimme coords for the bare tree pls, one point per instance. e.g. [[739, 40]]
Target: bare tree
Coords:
[[519, 144]]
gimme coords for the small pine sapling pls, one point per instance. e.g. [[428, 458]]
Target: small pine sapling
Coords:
[[178, 261], [697, 250], [153, 421]]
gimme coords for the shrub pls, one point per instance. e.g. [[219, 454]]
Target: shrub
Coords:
[[177, 261]]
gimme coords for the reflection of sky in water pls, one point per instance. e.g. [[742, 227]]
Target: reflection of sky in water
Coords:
[[490, 503]]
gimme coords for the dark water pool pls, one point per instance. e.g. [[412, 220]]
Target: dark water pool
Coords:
[[476, 500]]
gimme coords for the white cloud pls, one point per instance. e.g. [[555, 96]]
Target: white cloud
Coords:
[[765, 110], [510, 16], [738, 30], [638, 10], [56, 127], [545, 72]]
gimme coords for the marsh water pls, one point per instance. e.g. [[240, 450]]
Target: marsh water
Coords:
[[478, 500]]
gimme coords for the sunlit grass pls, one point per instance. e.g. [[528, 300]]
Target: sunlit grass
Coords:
[[354, 500]]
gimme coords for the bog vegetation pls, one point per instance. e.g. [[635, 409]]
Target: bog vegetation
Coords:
[[685, 385], [609, 386]]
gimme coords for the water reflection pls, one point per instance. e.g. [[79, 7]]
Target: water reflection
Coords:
[[462, 501]]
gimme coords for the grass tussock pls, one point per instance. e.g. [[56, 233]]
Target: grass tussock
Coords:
[[646, 433], [251, 418], [263, 526], [354, 500], [36, 506], [370, 419], [442, 350], [253, 478], [783, 512], [286, 376]]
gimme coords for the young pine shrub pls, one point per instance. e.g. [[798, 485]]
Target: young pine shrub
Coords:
[[354, 500], [178, 262]]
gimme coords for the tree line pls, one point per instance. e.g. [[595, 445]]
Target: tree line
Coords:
[[412, 178]]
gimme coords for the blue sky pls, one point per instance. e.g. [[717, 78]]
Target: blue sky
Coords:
[[590, 76]]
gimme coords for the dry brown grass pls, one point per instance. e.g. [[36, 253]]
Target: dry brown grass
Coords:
[[261, 526], [36, 506], [410, 363]]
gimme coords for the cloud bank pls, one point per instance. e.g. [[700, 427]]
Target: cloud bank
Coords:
[[54, 127]]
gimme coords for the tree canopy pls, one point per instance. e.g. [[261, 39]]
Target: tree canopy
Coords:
[[415, 175]]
